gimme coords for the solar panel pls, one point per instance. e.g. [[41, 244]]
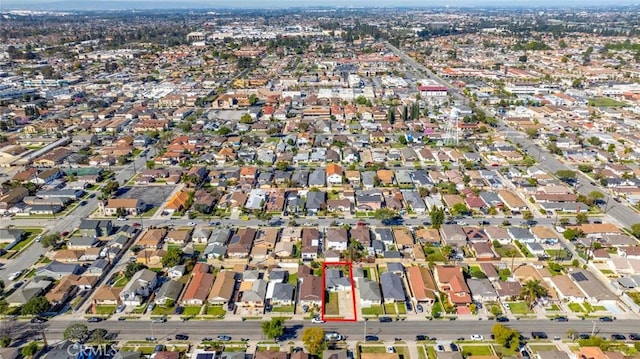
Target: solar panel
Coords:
[[579, 277]]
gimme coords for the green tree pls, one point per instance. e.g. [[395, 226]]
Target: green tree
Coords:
[[527, 215], [596, 196], [635, 230], [99, 336], [121, 212], [531, 291], [29, 349], [132, 268], [282, 165], [384, 214], [582, 218], [4, 306], [110, 187], [273, 328], [402, 139], [437, 217], [506, 336], [566, 175], [446, 252], [172, 257], [50, 240], [460, 209], [35, 306], [150, 164], [246, 118], [253, 99], [75, 332], [5, 341], [314, 340], [572, 233], [224, 131]]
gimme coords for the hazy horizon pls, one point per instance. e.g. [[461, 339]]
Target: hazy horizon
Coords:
[[148, 4]]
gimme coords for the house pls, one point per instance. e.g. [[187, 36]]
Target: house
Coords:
[[370, 293], [241, 243], [151, 257], [107, 295], [198, 289], [392, 287], [66, 288], [280, 293], [337, 238], [316, 201], [140, 286], [450, 280], [311, 291], [334, 174], [317, 178], [252, 293], [422, 284], [200, 235], [310, 243], [481, 290], [169, 293], [11, 235], [270, 354], [453, 235], [223, 288], [130, 206], [57, 270], [74, 243], [33, 288], [178, 236], [334, 280], [95, 228]]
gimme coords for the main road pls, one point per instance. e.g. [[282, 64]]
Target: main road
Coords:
[[441, 329]]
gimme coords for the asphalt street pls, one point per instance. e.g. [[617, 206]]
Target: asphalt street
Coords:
[[441, 329]]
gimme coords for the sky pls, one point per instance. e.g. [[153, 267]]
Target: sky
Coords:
[[44, 4]]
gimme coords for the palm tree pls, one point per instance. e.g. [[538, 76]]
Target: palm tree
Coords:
[[531, 291]]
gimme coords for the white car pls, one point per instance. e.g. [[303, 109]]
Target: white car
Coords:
[[391, 349], [192, 224], [15, 275], [317, 321], [121, 219], [477, 337]]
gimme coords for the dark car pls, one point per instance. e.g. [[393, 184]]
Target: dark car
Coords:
[[539, 335], [584, 336], [182, 337], [561, 319], [122, 319], [224, 338], [385, 319], [94, 320], [453, 347], [178, 310], [136, 224], [605, 319], [207, 339], [409, 306], [502, 319], [371, 338], [419, 308], [421, 337], [634, 336], [38, 320], [618, 337]]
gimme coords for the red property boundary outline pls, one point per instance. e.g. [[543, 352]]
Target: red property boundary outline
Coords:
[[353, 295]]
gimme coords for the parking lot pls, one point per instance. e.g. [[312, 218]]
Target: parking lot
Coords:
[[151, 196]]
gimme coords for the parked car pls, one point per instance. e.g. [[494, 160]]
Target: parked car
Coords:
[[477, 337], [151, 339], [182, 337], [605, 319], [618, 337], [317, 320], [419, 308], [584, 336], [502, 319], [371, 338], [94, 320], [539, 335], [15, 275], [421, 337], [385, 319], [224, 338], [120, 308], [634, 336], [192, 224], [391, 349], [439, 348], [560, 319], [207, 339], [38, 320], [159, 320], [454, 347], [122, 319]]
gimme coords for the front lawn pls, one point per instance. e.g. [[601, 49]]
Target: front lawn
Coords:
[[216, 310], [105, 309], [390, 308], [191, 310], [331, 304], [283, 309], [576, 307], [373, 310], [476, 350], [372, 349], [162, 310], [120, 282], [519, 308], [402, 308], [506, 250]]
